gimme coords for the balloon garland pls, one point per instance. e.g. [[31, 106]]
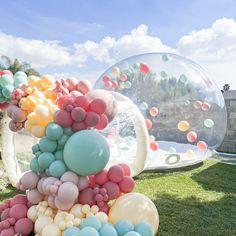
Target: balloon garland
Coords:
[[69, 190]]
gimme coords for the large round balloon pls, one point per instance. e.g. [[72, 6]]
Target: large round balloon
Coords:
[[134, 207], [86, 152], [184, 110]]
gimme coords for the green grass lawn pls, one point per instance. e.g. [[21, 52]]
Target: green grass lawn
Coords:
[[196, 202]]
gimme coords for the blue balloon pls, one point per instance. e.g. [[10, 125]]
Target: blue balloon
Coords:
[[59, 155], [62, 141], [88, 231], [133, 233], [123, 226], [71, 231], [145, 229], [107, 229], [34, 166], [91, 221], [68, 131], [45, 159], [57, 168], [86, 152], [35, 148]]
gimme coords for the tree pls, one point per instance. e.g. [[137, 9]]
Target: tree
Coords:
[[226, 87], [16, 65]]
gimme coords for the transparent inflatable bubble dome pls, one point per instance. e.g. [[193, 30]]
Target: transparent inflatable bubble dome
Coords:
[[183, 109]]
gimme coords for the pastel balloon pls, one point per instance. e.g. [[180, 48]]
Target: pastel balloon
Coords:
[[86, 197], [63, 118], [123, 227], [209, 123], [45, 159], [62, 205], [54, 131], [107, 229], [51, 229], [18, 211], [101, 177], [127, 184], [57, 168], [86, 152], [134, 207], [191, 136], [24, 226], [29, 180], [88, 231], [113, 190], [47, 81], [148, 124], [68, 192], [83, 182], [145, 229], [84, 86], [34, 196], [70, 176], [197, 104], [206, 106], [107, 97], [116, 173], [202, 145], [190, 153], [6, 80], [183, 125], [153, 111]]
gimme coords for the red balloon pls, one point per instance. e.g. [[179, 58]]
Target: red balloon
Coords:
[[78, 114], [91, 181], [82, 101], [92, 119], [77, 126], [126, 169], [101, 177], [102, 123], [98, 106], [127, 184], [148, 123], [113, 190], [144, 68], [4, 106], [86, 196], [6, 72], [116, 174], [63, 119]]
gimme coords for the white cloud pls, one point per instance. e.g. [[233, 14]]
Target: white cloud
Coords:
[[38, 53], [110, 50], [217, 43]]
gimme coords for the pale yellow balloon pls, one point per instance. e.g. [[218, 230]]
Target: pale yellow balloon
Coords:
[[47, 81], [60, 216], [50, 94], [33, 81], [32, 213], [51, 230], [41, 222], [183, 125], [28, 126], [115, 72], [134, 207], [76, 210], [38, 131], [190, 153]]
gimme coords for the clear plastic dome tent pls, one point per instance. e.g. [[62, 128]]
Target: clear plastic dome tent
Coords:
[[184, 110]]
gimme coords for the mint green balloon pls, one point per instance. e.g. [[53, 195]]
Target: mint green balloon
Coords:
[[63, 140], [68, 131], [20, 74], [54, 131], [209, 123], [86, 152], [45, 159], [34, 166], [57, 168], [59, 155], [20, 80], [7, 91], [47, 145], [6, 80]]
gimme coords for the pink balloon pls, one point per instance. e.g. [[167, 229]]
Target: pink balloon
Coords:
[[70, 176], [18, 199], [63, 118], [83, 183], [84, 86], [113, 190], [24, 226], [83, 101], [40, 185], [108, 98], [75, 94], [116, 174], [5, 214], [77, 126], [126, 169], [104, 208], [72, 83], [78, 114], [18, 115], [202, 145], [86, 197], [191, 136], [127, 184], [51, 201], [64, 100], [92, 119], [101, 177], [18, 211], [67, 192], [102, 123], [29, 180], [48, 181], [98, 106], [62, 205], [144, 68], [6, 72], [34, 196], [8, 232], [12, 126]]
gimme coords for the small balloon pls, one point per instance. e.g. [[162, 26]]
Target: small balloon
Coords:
[[209, 123]]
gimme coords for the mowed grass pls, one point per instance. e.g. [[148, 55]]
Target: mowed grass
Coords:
[[195, 202]]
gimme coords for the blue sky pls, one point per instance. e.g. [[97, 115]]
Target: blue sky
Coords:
[[70, 22]]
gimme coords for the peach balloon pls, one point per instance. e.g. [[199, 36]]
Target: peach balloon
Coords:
[[134, 207]]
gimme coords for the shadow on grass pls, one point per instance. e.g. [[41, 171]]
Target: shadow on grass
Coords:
[[190, 216], [8, 193], [219, 177]]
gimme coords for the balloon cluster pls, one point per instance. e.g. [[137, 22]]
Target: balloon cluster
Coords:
[[69, 188], [8, 83], [107, 185], [14, 217]]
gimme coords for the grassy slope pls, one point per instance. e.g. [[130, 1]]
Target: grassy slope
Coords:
[[196, 202]]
